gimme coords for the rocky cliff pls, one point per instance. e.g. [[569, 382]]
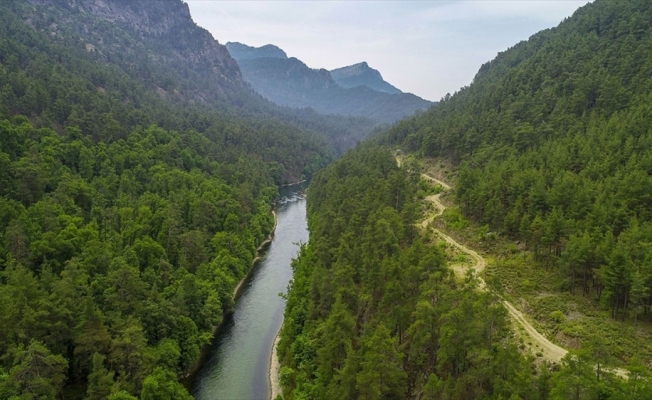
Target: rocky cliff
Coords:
[[290, 82], [152, 38]]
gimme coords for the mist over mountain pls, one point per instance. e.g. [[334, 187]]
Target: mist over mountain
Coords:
[[290, 82], [362, 74]]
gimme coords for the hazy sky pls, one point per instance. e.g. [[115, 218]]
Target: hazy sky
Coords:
[[429, 48]]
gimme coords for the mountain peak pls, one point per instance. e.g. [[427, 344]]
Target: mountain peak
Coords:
[[240, 51], [361, 74]]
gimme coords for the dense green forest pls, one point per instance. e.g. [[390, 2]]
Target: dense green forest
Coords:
[[118, 259], [373, 312], [555, 148], [135, 189], [551, 144]]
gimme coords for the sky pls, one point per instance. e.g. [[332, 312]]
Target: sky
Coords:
[[429, 48]]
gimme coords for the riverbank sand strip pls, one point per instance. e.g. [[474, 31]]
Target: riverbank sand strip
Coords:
[[275, 370]]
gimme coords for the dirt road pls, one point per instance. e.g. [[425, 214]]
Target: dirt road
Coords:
[[540, 344]]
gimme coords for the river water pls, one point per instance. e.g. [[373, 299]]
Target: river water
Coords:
[[237, 366]]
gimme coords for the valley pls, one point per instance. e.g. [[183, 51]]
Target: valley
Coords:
[[495, 244]]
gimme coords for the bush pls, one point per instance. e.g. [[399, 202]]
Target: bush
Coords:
[[557, 316]]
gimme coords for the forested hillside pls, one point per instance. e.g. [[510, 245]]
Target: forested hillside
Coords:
[[555, 149], [374, 312], [137, 176]]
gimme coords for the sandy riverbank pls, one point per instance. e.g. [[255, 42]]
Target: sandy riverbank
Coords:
[[275, 371]]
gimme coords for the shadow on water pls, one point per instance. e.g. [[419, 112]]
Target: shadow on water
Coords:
[[237, 364]]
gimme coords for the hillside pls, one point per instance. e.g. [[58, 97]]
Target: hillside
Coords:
[[552, 140], [549, 148], [380, 305], [290, 82], [137, 177], [156, 60], [362, 75]]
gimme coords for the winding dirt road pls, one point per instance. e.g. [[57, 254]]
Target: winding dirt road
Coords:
[[540, 343], [537, 342]]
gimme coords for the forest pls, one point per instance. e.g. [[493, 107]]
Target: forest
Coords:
[[128, 216], [374, 312], [118, 259], [553, 144], [137, 180], [550, 146]]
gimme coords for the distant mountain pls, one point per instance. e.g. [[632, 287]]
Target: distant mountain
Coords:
[[362, 75], [241, 51], [290, 82]]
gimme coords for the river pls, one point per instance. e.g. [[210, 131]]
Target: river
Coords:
[[237, 366]]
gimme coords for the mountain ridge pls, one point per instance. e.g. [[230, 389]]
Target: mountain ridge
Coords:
[[362, 74], [243, 52], [290, 82]]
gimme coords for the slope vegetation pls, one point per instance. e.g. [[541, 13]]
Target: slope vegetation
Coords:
[[375, 312], [553, 138], [137, 176]]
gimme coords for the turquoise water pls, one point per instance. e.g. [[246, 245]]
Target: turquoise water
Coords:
[[237, 367]]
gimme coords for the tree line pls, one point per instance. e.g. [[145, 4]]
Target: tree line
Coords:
[[373, 312], [553, 142]]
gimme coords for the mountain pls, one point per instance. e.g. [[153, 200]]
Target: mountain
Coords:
[[552, 143], [138, 172], [157, 40], [167, 56], [241, 51], [362, 75], [290, 82]]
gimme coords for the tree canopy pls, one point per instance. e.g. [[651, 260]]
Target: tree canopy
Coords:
[[553, 142]]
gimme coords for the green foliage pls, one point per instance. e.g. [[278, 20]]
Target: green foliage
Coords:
[[454, 219], [553, 142], [162, 385], [122, 395], [136, 181], [100, 380], [113, 269], [37, 373], [374, 313]]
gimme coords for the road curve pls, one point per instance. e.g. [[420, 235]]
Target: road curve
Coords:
[[549, 350]]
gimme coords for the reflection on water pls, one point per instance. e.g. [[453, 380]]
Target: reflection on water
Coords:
[[238, 364]]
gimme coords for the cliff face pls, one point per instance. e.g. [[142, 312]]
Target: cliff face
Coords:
[[151, 36]]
